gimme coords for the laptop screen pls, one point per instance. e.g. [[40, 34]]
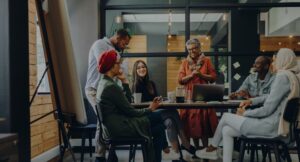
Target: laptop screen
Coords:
[[208, 92]]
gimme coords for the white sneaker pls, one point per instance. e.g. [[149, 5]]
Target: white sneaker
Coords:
[[203, 154], [235, 154], [170, 156]]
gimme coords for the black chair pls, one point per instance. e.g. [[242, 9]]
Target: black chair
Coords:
[[76, 130], [279, 146], [113, 142]]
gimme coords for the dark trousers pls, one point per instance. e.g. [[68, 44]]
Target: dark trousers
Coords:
[[158, 133]]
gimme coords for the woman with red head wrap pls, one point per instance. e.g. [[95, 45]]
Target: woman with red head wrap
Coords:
[[119, 117]]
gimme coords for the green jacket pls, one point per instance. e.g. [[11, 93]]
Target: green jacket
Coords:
[[119, 117]]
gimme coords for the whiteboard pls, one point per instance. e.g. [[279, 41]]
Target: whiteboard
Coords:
[[67, 80]]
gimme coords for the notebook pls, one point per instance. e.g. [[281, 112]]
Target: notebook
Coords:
[[208, 92]]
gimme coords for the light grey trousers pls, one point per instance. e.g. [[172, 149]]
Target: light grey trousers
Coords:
[[228, 128], [100, 148]]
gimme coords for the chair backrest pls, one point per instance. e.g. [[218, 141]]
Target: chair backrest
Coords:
[[101, 125], [90, 113], [291, 110]]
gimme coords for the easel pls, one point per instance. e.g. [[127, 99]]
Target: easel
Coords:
[[64, 142]]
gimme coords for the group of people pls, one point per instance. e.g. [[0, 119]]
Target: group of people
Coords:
[[108, 87]]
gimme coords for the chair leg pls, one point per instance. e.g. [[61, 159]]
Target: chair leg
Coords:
[[276, 152], [111, 153], [269, 153], [297, 144], [130, 152], [286, 153], [252, 151], [82, 147], [242, 151], [90, 145]]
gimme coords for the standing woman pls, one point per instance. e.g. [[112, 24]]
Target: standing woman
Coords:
[[142, 84], [119, 117], [197, 69]]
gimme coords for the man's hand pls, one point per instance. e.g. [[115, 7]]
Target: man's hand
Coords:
[[245, 103], [233, 95], [155, 103], [244, 93]]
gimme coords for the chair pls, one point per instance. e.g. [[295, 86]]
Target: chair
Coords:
[[76, 130], [277, 143], [113, 142]]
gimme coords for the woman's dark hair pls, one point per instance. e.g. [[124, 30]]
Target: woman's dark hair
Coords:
[[137, 81]]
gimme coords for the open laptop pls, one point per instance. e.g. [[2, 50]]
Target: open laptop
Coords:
[[208, 92]]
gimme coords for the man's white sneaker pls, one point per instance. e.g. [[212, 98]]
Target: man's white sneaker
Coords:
[[203, 154]]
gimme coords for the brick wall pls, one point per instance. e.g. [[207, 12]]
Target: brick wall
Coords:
[[44, 133]]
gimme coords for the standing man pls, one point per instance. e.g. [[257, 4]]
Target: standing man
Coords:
[[117, 42], [256, 84]]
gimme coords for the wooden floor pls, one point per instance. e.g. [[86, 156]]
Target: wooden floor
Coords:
[[123, 157]]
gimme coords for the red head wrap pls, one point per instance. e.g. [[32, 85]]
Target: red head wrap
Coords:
[[107, 60]]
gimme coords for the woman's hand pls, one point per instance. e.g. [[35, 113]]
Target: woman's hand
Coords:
[[245, 103], [240, 111], [122, 77], [155, 103]]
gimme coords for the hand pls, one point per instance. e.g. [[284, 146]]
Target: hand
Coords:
[[155, 103], [196, 73], [122, 77], [244, 94], [245, 103], [233, 96], [240, 111]]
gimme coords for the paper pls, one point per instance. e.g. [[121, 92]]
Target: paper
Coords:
[[223, 68], [237, 77], [236, 65], [226, 85]]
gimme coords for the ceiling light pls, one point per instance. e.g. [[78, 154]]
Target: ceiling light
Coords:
[[291, 36], [298, 43], [279, 43], [224, 17], [118, 19]]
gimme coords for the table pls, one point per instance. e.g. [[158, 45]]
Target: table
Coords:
[[192, 105]]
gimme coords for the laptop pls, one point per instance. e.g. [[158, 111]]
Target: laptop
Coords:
[[208, 92]]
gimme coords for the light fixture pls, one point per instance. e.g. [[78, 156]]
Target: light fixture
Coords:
[[298, 43], [169, 21], [206, 37], [118, 19], [224, 17], [291, 36], [279, 43]]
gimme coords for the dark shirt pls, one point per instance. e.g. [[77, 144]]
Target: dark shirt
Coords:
[[146, 95]]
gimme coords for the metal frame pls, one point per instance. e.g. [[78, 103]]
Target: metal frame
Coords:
[[187, 7]]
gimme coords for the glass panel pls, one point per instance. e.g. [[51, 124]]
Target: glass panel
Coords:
[[144, 2], [279, 28], [150, 30], [211, 28], [164, 71]]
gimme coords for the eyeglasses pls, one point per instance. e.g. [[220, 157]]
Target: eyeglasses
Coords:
[[194, 48]]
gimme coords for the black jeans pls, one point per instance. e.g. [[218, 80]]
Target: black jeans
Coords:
[[159, 135]]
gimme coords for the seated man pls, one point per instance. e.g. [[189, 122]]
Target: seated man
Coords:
[[256, 84]]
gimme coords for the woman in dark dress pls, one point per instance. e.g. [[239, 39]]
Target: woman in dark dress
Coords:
[[142, 84]]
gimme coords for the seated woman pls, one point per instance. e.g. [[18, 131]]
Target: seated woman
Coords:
[[142, 84], [119, 117], [268, 117]]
